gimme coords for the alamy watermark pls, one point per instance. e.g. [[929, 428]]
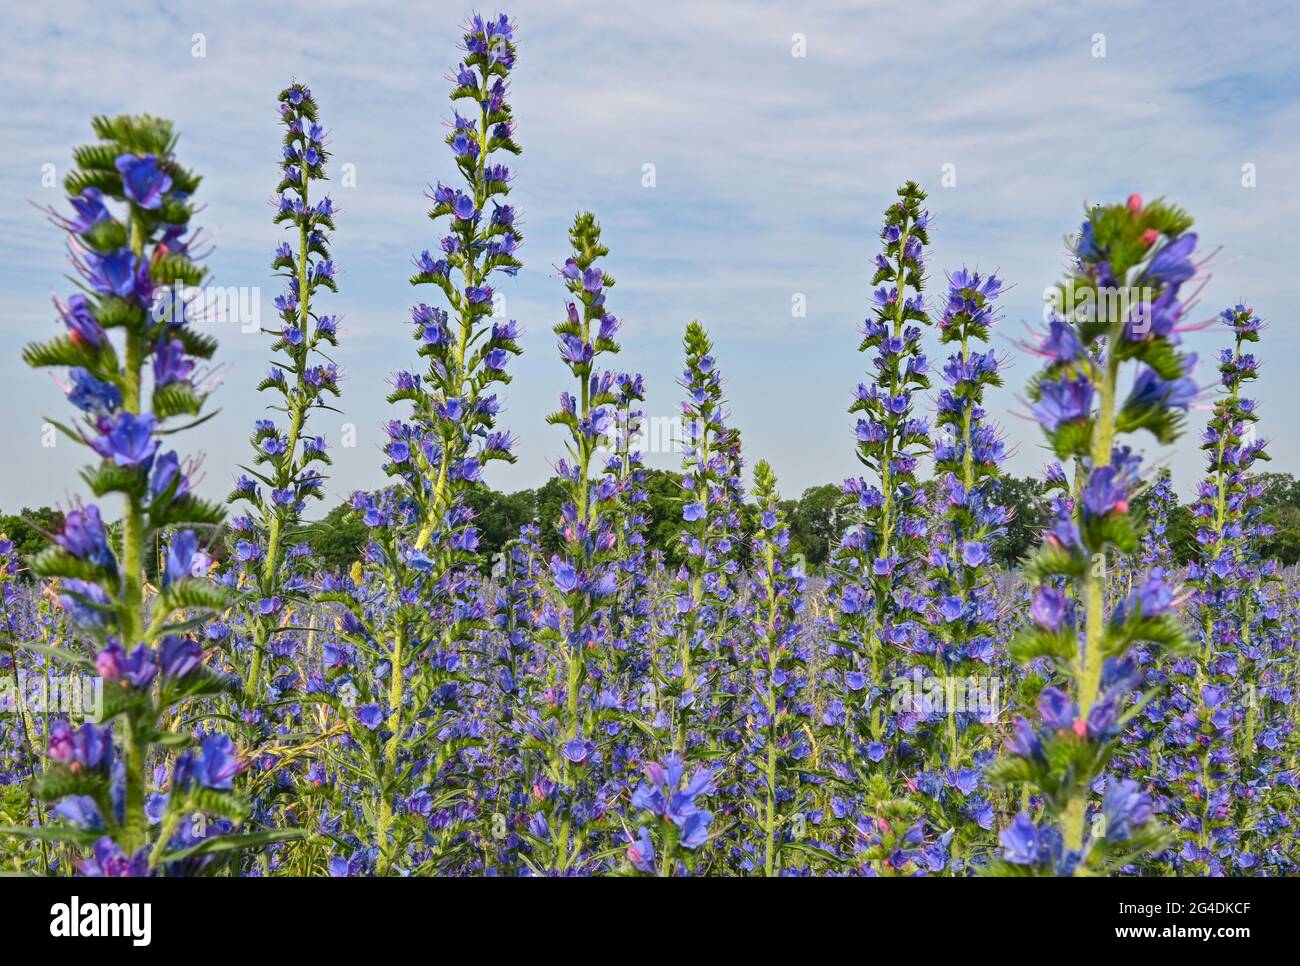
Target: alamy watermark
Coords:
[[922, 693], [651, 434], [232, 304], [76, 919], [75, 695], [1135, 304]]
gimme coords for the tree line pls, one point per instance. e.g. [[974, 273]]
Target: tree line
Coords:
[[814, 520]]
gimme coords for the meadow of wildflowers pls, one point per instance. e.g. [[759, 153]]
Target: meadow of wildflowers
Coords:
[[909, 708]]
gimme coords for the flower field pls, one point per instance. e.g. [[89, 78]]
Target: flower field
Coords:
[[188, 690]]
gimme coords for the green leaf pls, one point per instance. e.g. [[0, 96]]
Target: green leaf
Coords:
[[111, 478], [169, 269], [70, 657], [176, 399], [55, 833], [196, 343], [56, 562], [1039, 642], [59, 351], [200, 681], [192, 593], [58, 783], [228, 843]]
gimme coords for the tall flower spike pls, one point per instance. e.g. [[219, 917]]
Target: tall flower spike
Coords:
[[129, 243], [883, 534], [1232, 700], [775, 742], [424, 547], [883, 545], [630, 611], [961, 645], [302, 378], [701, 585], [584, 577], [1162, 502], [1121, 304]]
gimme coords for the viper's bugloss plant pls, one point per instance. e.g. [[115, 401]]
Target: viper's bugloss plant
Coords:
[[776, 746], [701, 585], [133, 373], [1228, 727], [584, 577], [884, 535], [1123, 316], [268, 542], [630, 610], [883, 545], [423, 553], [961, 646], [693, 671], [268, 546], [1156, 549]]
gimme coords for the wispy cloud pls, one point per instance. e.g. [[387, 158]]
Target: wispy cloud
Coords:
[[771, 173]]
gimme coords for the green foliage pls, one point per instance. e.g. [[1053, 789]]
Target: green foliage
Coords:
[[337, 540], [59, 351], [28, 529], [500, 515], [1281, 506], [815, 523], [1024, 497]]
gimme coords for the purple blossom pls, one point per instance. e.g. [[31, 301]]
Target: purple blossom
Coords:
[[127, 439], [1063, 401], [86, 748], [1020, 841], [84, 537], [107, 860], [82, 326], [118, 273], [143, 181]]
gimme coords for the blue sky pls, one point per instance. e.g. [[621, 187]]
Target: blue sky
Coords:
[[771, 172]]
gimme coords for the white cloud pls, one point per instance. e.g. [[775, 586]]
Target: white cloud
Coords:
[[772, 173]]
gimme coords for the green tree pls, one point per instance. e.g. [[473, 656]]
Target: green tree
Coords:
[[1024, 497], [815, 522], [1181, 531], [1281, 507], [664, 508], [338, 539], [499, 516], [548, 508], [28, 529]]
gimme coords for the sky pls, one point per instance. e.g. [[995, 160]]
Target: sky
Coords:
[[778, 133]]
